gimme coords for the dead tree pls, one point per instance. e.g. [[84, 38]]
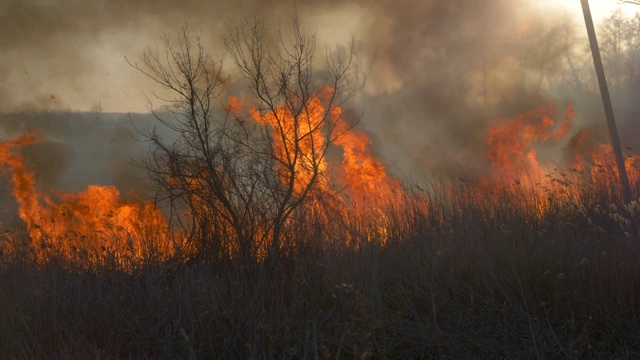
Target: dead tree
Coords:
[[236, 180], [302, 110]]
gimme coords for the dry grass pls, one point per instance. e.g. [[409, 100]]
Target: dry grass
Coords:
[[461, 275]]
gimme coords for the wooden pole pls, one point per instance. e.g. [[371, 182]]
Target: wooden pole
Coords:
[[606, 102]]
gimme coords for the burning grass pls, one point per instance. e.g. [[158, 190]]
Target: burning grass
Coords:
[[480, 277], [540, 264], [91, 227], [519, 272]]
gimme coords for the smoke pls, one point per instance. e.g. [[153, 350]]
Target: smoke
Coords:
[[78, 149], [440, 70], [457, 66], [66, 46]]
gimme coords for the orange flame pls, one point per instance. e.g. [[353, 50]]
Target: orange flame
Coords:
[[511, 143], [86, 223], [598, 158], [300, 138], [298, 142], [24, 184], [233, 104], [512, 146], [364, 175], [96, 225]]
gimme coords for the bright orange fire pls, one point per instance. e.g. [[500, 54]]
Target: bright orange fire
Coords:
[[364, 174], [299, 142], [233, 105], [96, 225], [512, 143], [598, 158], [24, 183], [91, 223], [299, 139]]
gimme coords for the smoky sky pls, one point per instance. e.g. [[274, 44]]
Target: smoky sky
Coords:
[[439, 71], [49, 45]]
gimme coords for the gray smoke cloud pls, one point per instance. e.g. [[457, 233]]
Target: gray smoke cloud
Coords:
[[431, 43], [77, 149], [440, 70]]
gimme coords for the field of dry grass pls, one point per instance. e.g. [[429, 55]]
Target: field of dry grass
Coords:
[[509, 274]]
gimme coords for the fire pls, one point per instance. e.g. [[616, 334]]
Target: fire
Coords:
[[95, 225], [233, 104], [598, 159], [92, 223], [24, 184], [580, 146], [365, 175], [512, 143], [300, 139], [298, 142]]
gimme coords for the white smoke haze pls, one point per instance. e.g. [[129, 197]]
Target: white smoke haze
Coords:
[[440, 71]]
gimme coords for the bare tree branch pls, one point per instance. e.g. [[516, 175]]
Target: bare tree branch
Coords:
[[240, 181]]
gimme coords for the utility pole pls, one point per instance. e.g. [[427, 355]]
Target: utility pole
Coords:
[[606, 102]]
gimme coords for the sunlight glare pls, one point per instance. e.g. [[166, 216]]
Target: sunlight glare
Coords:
[[600, 8]]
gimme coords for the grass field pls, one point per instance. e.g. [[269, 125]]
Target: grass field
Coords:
[[522, 274]]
